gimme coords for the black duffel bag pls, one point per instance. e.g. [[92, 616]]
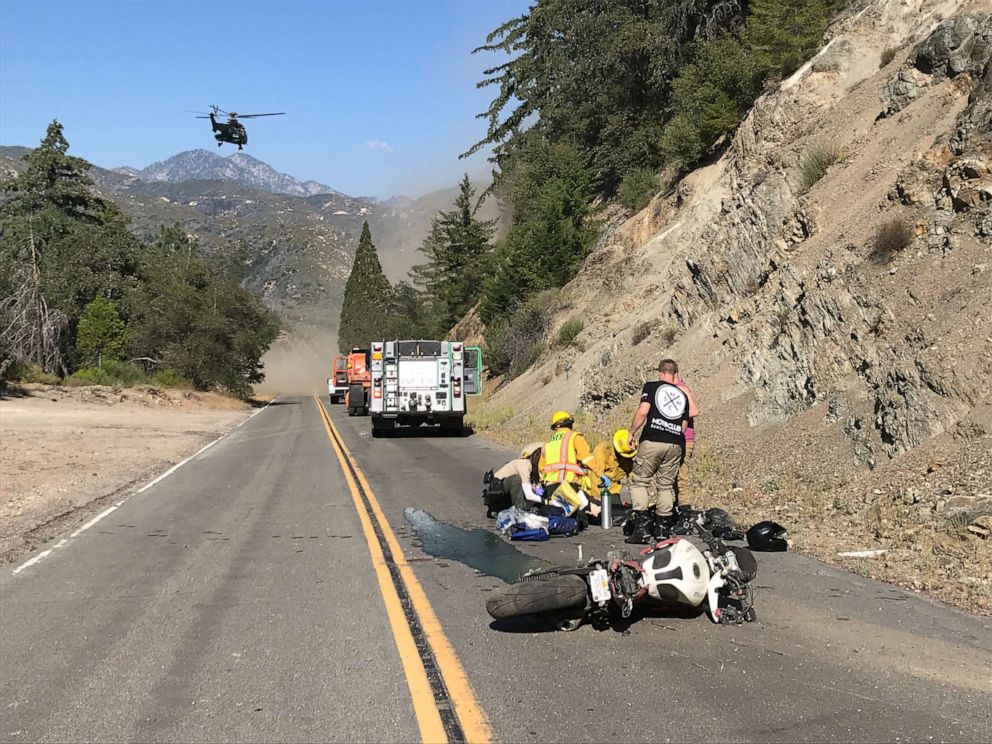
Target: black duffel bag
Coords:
[[494, 496]]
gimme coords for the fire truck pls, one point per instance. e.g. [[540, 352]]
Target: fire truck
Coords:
[[356, 397], [337, 383], [423, 382]]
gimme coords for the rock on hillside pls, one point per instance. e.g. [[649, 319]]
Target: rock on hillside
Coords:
[[838, 333]]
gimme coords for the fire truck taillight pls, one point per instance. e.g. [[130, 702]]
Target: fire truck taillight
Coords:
[[457, 391]]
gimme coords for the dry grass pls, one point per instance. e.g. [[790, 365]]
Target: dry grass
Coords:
[[668, 334], [891, 237], [816, 161], [888, 55], [641, 331], [488, 416]]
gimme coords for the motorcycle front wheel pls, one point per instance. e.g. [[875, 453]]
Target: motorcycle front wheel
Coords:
[[553, 594]]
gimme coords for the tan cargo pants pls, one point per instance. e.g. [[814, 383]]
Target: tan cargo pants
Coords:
[[682, 482], [658, 462]]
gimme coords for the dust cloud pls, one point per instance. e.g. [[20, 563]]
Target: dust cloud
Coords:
[[299, 362]]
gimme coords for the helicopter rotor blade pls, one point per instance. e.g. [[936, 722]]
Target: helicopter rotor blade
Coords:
[[252, 116], [202, 113], [219, 110]]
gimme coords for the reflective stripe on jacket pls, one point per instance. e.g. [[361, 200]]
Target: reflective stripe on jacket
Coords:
[[560, 461]]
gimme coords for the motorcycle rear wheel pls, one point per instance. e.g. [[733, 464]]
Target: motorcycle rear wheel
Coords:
[[551, 595]]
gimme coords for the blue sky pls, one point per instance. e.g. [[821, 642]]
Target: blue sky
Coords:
[[380, 95]]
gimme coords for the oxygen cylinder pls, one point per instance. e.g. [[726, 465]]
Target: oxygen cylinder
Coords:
[[606, 514]]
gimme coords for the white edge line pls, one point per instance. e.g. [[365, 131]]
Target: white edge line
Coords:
[[111, 509]]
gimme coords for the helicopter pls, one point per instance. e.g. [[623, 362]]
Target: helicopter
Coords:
[[232, 131]]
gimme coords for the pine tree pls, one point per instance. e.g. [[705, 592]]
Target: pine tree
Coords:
[[784, 33], [365, 311], [457, 250], [100, 334], [61, 245], [54, 178]]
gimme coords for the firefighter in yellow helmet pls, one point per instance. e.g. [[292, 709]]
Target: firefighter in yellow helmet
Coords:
[[566, 457], [612, 464]]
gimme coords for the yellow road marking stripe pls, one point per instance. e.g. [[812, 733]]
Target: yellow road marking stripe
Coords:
[[467, 706], [426, 712]]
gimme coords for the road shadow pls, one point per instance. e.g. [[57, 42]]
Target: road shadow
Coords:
[[427, 432], [616, 624], [10, 390]]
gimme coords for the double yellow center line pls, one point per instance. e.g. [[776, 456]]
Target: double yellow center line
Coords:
[[443, 700]]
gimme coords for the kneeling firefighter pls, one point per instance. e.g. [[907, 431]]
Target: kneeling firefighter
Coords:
[[612, 464], [565, 461]]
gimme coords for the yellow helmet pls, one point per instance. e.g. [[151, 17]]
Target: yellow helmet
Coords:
[[620, 437], [560, 417]]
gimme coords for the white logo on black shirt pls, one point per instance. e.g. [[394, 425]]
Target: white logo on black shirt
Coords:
[[670, 402]]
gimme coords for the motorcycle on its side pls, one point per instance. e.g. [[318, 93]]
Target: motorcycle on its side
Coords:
[[671, 573]]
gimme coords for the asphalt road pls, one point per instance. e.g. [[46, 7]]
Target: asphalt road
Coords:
[[242, 599]]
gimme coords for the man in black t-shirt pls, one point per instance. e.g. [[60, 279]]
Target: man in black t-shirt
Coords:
[[664, 413]]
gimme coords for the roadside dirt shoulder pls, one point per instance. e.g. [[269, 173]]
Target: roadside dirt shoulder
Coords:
[[65, 451]]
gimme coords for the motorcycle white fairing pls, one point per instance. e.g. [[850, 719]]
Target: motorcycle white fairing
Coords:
[[676, 572]]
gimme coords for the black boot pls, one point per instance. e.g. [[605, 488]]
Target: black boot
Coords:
[[641, 524], [664, 527], [632, 520]]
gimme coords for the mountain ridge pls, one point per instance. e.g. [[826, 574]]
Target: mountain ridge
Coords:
[[295, 249], [241, 168]]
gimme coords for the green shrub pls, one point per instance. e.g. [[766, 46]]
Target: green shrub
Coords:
[[637, 188], [515, 344], [88, 376], [30, 372], [569, 330], [100, 333], [815, 161], [171, 378], [682, 142], [125, 374], [890, 238], [112, 373]]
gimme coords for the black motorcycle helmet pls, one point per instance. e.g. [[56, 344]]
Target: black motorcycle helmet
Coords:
[[768, 536]]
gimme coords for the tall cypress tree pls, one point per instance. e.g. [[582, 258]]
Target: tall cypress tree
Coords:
[[365, 312]]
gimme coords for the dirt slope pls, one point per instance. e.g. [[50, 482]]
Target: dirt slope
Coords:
[[845, 390]]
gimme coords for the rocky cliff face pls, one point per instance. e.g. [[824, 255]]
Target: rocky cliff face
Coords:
[[838, 331]]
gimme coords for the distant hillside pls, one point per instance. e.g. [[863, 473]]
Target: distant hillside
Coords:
[[296, 250], [399, 225], [203, 165]]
